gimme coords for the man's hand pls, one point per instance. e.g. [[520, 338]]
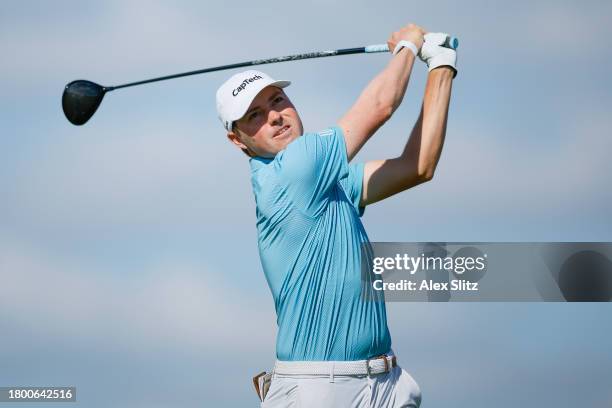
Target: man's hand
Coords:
[[434, 55], [411, 32]]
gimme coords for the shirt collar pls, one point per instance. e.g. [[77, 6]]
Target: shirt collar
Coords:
[[259, 162]]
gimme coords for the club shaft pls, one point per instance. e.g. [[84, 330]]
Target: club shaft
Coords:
[[319, 54], [451, 42]]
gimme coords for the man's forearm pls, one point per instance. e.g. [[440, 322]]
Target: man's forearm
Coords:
[[427, 138], [386, 91], [377, 102], [383, 94]]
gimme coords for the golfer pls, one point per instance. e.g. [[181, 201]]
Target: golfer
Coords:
[[333, 347]]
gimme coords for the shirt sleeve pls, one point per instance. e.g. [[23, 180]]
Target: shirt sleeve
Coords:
[[353, 185], [311, 166]]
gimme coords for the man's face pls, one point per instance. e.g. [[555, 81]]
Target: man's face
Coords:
[[268, 126]]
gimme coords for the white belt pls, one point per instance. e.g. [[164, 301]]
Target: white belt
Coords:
[[375, 365]]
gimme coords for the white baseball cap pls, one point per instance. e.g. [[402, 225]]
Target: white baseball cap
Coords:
[[236, 94]]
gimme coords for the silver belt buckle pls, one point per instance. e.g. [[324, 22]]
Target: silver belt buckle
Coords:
[[383, 357]]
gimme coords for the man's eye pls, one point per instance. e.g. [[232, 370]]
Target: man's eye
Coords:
[[278, 99], [253, 115]]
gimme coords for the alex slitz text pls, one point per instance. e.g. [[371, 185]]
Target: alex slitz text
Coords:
[[425, 285]]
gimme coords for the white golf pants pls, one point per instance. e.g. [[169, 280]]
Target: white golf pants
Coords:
[[395, 389]]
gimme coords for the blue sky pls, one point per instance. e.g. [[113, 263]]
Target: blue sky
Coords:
[[128, 258]]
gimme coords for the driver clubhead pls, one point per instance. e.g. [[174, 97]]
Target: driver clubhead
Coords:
[[80, 100]]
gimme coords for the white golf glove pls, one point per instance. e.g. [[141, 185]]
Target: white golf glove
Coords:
[[434, 55]]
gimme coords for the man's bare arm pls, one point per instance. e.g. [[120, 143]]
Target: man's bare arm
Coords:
[[418, 161], [383, 94]]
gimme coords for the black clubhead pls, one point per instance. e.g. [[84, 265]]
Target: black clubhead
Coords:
[[81, 99]]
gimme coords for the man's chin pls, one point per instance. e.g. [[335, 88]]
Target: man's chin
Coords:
[[291, 138], [277, 146], [284, 142]]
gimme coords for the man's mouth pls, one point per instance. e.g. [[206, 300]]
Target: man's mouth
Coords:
[[283, 131]]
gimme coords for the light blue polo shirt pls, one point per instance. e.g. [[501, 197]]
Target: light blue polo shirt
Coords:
[[310, 236]]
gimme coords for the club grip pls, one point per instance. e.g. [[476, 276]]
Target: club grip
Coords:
[[450, 42]]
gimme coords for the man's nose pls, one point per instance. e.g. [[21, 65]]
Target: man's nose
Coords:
[[274, 117]]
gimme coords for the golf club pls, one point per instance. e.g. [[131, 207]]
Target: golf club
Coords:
[[81, 98]]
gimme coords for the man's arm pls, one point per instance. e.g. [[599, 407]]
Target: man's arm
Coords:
[[418, 161], [383, 94]]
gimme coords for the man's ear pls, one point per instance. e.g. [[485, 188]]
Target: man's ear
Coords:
[[233, 137]]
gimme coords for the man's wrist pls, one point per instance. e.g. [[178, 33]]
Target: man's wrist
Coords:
[[443, 71], [406, 44]]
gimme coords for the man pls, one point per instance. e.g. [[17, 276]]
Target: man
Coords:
[[333, 346]]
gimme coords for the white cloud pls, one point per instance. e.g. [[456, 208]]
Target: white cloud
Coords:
[[162, 174], [569, 29], [483, 169], [107, 42], [173, 304], [121, 41]]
